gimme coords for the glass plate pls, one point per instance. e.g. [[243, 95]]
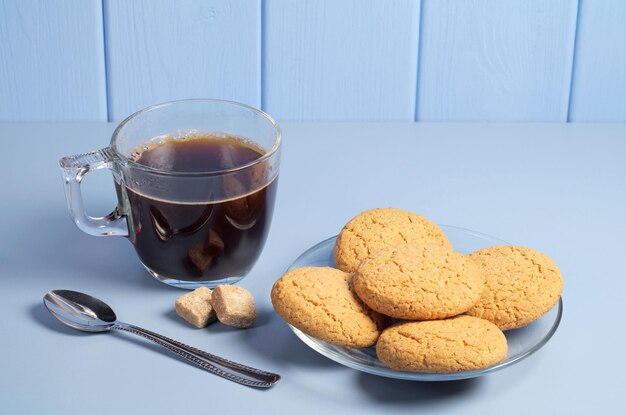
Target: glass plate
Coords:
[[521, 342]]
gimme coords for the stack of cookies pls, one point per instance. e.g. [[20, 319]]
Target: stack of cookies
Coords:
[[399, 285]]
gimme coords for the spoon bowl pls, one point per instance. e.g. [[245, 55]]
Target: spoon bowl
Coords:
[[79, 310]]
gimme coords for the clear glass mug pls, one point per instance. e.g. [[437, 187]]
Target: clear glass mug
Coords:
[[189, 228]]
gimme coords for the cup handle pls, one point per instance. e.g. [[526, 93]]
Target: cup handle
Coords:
[[74, 168]]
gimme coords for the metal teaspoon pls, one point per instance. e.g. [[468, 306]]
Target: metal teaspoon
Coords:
[[87, 313]]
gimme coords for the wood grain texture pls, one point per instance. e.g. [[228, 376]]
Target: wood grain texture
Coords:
[[161, 50], [495, 60], [340, 60], [51, 60], [599, 83]]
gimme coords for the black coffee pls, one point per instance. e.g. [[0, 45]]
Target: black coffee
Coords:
[[209, 240]]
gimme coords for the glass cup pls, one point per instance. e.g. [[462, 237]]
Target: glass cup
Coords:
[[189, 228]]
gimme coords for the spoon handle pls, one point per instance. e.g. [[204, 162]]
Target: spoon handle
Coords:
[[255, 377]]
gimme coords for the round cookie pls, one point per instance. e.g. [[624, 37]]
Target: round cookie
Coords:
[[521, 285], [377, 228], [439, 346], [418, 282], [321, 302]]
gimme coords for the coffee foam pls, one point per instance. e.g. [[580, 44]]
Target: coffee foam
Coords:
[[135, 153]]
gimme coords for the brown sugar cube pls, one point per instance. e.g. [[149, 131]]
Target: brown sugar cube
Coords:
[[195, 307], [234, 306], [199, 258], [215, 244]]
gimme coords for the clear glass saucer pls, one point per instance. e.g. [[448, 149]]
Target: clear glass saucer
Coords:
[[521, 342]]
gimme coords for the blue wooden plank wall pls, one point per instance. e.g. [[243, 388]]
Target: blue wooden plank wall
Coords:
[[161, 50], [424, 60], [496, 60], [599, 81], [340, 60], [51, 60]]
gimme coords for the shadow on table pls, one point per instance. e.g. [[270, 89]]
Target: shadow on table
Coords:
[[71, 255], [269, 337], [40, 314], [45, 319], [273, 340], [388, 390], [276, 342], [264, 317]]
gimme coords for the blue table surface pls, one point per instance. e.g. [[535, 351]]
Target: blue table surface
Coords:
[[559, 188]]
